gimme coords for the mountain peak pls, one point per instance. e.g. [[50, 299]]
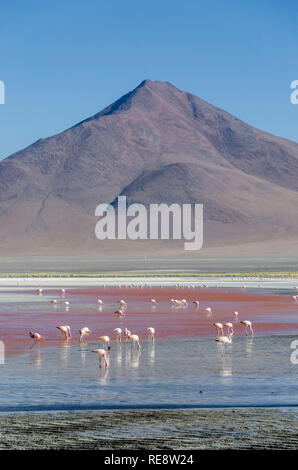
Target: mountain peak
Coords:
[[154, 144]]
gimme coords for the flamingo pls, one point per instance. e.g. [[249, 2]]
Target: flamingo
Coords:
[[219, 328], [101, 353], [230, 327], [106, 340], [135, 339], [151, 333], [223, 340], [184, 302], [120, 312], [197, 303], [84, 331], [54, 301], [153, 301], [65, 330], [208, 309], [100, 302], [122, 303], [248, 326], [66, 303], [37, 336], [62, 291], [118, 333], [127, 333], [39, 291], [236, 314]]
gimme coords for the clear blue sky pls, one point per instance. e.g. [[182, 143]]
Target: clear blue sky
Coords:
[[64, 60]]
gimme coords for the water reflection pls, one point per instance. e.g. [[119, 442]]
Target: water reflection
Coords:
[[249, 346], [117, 356], [135, 358], [64, 351], [151, 353], [226, 367], [132, 356], [83, 355], [36, 358], [103, 374]]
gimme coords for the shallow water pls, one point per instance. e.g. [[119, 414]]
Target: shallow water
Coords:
[[170, 373]]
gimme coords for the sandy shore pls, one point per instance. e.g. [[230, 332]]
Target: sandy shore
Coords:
[[69, 281], [237, 428]]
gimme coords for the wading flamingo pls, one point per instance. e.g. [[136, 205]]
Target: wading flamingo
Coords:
[[120, 313], [122, 303], [118, 333], [83, 332], [208, 309], [127, 333], [153, 301], [105, 340], [151, 333], [230, 327], [66, 303], [54, 302], [36, 336], [197, 303], [248, 326], [62, 291], [101, 353], [135, 340], [219, 328], [65, 330], [223, 340], [39, 291], [100, 302]]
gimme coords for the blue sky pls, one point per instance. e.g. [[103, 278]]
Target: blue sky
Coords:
[[63, 61]]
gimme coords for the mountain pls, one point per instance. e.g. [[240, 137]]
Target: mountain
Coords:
[[155, 144]]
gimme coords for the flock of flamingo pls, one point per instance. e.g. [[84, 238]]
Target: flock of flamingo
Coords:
[[65, 331]]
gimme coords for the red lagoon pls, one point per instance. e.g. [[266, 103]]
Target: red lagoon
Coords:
[[271, 312]]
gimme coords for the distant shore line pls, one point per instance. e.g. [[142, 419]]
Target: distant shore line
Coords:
[[232, 275]]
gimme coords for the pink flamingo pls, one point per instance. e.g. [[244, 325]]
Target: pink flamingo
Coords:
[[106, 340], [230, 327], [65, 331], [151, 333], [83, 332], [36, 336], [135, 340], [223, 340], [248, 326], [219, 328], [101, 353], [118, 333]]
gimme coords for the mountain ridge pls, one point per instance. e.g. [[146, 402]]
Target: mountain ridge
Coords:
[[154, 144]]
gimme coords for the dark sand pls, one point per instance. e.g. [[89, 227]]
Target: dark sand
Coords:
[[237, 428]]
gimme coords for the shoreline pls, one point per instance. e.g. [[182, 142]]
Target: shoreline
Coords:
[[212, 429], [154, 280]]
